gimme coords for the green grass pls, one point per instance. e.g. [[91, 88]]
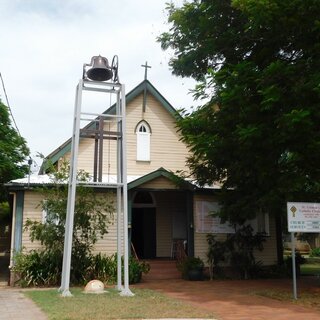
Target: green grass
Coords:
[[310, 269], [305, 299], [145, 304]]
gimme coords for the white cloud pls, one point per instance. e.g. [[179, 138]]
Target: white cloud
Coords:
[[45, 43]]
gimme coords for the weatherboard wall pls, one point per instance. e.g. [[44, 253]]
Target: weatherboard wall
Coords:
[[166, 149], [160, 183], [33, 211], [268, 256]]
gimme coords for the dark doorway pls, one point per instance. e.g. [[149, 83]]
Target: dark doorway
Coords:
[[5, 240], [144, 232]]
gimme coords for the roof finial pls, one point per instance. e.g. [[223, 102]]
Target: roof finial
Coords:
[[145, 69]]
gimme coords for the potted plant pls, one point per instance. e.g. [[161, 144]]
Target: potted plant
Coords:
[[299, 261], [192, 268]]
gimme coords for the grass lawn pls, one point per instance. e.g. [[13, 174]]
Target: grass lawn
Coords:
[[310, 269], [306, 299], [145, 304]]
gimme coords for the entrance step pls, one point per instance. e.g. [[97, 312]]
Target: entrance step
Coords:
[[3, 283], [162, 269]]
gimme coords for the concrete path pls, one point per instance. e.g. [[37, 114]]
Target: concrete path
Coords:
[[14, 305]]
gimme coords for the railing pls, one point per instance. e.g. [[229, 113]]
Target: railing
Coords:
[[134, 253], [178, 251]]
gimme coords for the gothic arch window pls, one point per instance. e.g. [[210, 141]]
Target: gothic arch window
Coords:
[[143, 134]]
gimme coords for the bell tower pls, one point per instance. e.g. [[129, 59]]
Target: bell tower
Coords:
[[98, 76]]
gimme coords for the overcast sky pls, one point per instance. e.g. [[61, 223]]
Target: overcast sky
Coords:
[[44, 44]]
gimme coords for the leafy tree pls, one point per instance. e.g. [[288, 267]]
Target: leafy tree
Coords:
[[258, 65], [92, 216], [13, 152]]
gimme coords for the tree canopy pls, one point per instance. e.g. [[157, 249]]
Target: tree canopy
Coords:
[[258, 64], [13, 152]]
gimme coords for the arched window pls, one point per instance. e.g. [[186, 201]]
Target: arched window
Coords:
[[143, 133], [143, 199]]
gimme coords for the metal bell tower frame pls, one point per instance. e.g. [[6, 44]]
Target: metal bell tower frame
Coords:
[[97, 83]]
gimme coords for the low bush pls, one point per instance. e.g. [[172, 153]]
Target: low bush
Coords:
[[136, 269], [237, 250], [104, 268], [38, 268], [190, 264], [315, 252], [43, 268], [299, 261]]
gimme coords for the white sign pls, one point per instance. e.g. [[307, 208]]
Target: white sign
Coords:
[[303, 217], [205, 222]]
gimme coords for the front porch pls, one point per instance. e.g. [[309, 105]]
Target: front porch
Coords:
[[158, 220]]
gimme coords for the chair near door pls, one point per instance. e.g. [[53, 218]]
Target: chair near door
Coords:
[[178, 249]]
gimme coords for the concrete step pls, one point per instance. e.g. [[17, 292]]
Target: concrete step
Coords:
[[3, 283]]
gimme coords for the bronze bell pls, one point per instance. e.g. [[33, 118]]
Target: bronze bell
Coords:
[[100, 70]]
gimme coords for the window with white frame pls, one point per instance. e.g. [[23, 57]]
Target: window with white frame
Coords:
[[143, 134], [49, 217], [260, 223], [206, 222]]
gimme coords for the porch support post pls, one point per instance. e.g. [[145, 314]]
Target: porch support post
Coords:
[[129, 221], [190, 224], [16, 230]]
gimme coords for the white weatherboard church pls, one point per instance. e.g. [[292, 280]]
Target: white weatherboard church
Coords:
[[160, 210]]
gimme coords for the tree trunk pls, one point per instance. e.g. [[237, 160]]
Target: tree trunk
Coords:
[[279, 243]]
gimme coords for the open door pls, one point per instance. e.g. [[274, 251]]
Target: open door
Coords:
[[144, 232]]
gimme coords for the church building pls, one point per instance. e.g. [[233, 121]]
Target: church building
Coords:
[[162, 209]]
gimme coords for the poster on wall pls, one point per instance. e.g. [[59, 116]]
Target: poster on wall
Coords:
[[206, 223]]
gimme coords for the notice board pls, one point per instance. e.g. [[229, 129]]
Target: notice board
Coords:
[[303, 217]]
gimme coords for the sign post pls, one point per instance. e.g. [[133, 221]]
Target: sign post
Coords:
[[294, 272], [302, 217]]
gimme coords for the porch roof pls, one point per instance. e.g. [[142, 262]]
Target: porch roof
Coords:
[[161, 172]]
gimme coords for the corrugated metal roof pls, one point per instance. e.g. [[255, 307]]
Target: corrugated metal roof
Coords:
[[40, 180], [49, 179]]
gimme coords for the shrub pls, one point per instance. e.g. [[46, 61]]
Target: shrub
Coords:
[[299, 260], [215, 255], [238, 249], [188, 264], [104, 268], [241, 246], [136, 268], [315, 252], [38, 268], [43, 268]]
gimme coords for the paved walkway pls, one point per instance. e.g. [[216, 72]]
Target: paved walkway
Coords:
[[15, 306], [235, 300], [227, 300]]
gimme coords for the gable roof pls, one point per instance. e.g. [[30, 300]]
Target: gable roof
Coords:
[[161, 172], [55, 155]]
